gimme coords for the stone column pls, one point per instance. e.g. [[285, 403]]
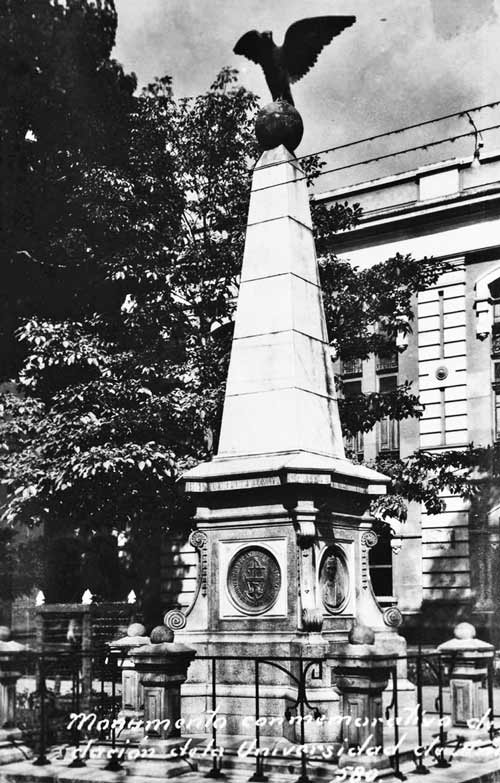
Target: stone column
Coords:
[[361, 677], [162, 667], [468, 659]]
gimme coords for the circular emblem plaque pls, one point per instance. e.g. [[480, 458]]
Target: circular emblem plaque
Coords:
[[254, 580]]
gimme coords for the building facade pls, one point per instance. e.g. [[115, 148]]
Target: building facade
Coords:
[[447, 566]]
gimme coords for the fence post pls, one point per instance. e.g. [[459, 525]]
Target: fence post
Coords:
[[361, 677], [41, 760], [162, 667], [132, 690], [469, 659]]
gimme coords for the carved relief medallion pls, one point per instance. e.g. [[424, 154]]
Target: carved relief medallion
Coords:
[[254, 579], [333, 580]]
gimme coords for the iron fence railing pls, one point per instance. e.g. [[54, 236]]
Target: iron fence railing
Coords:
[[57, 688]]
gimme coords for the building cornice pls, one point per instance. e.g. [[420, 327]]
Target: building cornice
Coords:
[[391, 222], [413, 175], [380, 226]]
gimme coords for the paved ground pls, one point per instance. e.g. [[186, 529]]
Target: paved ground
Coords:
[[24, 772], [467, 765]]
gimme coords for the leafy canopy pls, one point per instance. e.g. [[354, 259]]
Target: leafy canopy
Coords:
[[123, 221]]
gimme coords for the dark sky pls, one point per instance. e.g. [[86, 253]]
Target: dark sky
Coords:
[[402, 62]]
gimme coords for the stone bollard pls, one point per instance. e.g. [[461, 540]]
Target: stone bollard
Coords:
[[132, 691], [468, 659], [11, 657], [162, 667], [361, 677]]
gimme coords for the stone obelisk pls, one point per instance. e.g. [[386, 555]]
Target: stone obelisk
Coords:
[[282, 525]]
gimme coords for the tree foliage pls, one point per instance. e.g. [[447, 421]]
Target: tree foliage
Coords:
[[122, 383], [123, 221], [64, 103]]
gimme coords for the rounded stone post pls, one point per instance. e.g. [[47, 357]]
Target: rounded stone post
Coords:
[[132, 690], [162, 667], [11, 656], [361, 677], [468, 659]]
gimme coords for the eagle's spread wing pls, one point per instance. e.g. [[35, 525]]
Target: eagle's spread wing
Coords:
[[252, 45], [305, 39]]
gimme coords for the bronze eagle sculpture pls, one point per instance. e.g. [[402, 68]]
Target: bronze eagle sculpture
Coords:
[[284, 65]]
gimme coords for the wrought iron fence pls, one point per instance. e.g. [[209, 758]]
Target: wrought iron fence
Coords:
[[53, 687]]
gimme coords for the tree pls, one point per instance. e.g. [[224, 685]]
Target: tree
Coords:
[[123, 394], [122, 358], [65, 103]]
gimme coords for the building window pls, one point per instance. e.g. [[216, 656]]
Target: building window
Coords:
[[388, 429], [380, 559], [496, 393], [353, 443], [495, 353], [387, 362], [495, 335], [352, 367], [354, 446]]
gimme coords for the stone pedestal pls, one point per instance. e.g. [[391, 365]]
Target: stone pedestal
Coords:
[[361, 677], [162, 668], [11, 657], [132, 690], [468, 659], [9, 676]]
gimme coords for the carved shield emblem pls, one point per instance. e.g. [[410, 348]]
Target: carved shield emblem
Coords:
[[254, 579]]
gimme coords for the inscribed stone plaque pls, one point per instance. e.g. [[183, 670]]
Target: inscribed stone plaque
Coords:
[[254, 579], [333, 580]]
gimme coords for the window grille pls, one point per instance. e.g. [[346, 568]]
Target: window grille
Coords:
[[352, 367], [387, 362]]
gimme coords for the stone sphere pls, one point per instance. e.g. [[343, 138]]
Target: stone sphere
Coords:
[[464, 631], [161, 634], [279, 123], [4, 633], [136, 629]]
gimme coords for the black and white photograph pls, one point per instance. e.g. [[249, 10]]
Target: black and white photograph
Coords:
[[249, 391]]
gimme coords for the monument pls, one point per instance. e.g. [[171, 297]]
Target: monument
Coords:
[[283, 529]]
